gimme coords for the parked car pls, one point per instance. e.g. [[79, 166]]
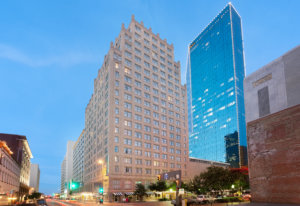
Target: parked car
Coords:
[[192, 200], [246, 197], [202, 198]]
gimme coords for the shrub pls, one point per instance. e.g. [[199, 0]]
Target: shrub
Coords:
[[163, 199]]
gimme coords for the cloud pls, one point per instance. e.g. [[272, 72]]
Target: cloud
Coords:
[[64, 60]]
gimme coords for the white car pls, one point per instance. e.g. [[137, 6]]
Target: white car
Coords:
[[202, 198]]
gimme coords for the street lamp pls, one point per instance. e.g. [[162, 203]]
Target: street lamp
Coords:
[[232, 186], [100, 162]]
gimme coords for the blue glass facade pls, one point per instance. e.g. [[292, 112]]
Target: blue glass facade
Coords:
[[215, 74]]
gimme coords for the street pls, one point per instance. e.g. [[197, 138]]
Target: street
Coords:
[[52, 202]]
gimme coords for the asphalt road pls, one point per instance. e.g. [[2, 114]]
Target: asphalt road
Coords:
[[52, 202]]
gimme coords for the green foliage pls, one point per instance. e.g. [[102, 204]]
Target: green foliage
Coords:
[[228, 199], [35, 195], [217, 179], [140, 190], [163, 199], [158, 186], [152, 187], [241, 181], [161, 186], [172, 186]]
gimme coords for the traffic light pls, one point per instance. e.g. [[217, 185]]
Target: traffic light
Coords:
[[158, 177], [101, 190], [74, 185], [177, 185]]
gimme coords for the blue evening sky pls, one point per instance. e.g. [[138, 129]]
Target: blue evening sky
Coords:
[[50, 52]]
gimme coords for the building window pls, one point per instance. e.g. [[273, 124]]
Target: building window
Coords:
[[128, 170], [116, 129], [127, 151], [128, 160], [127, 141], [139, 170], [116, 149]]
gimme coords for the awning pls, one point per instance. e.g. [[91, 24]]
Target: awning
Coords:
[[118, 193], [149, 193], [129, 193]]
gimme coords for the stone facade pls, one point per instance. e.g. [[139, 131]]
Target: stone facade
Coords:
[[34, 181], [9, 171], [22, 154], [63, 176], [274, 157], [197, 166], [78, 160], [136, 120], [273, 87], [67, 167]]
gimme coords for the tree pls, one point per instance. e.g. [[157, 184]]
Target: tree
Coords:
[[197, 185], [35, 195], [216, 179], [213, 179], [240, 178], [152, 186], [161, 186], [140, 191], [158, 186], [172, 185]]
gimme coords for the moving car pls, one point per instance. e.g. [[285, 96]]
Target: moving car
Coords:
[[41, 202]]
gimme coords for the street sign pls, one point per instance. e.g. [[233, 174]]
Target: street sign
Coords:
[[181, 191], [173, 175]]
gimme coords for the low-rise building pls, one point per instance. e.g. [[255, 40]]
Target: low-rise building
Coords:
[[273, 87], [197, 166], [22, 154], [272, 100], [9, 172]]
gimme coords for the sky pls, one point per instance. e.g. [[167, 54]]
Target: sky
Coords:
[[50, 52]]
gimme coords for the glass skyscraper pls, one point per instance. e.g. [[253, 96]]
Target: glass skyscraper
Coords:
[[215, 73]]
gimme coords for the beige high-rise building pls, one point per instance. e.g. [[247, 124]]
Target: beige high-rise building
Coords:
[[78, 161], [67, 169], [136, 120], [34, 181]]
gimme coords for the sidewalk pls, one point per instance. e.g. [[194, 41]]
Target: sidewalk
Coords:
[[152, 203]]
